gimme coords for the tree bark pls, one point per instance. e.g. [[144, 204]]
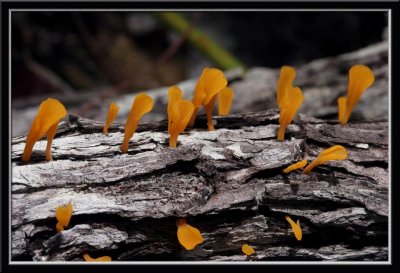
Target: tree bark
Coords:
[[228, 183]]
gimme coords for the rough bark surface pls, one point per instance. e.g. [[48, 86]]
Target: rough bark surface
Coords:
[[228, 183]]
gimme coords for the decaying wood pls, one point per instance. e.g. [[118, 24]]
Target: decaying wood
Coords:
[[228, 183]]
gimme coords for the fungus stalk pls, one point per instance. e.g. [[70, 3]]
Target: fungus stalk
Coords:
[[295, 166], [112, 113], [51, 133], [209, 107]]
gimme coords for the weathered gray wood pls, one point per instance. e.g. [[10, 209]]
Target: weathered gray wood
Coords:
[[228, 183]]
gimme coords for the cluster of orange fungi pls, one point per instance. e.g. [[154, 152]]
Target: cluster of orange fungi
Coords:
[[182, 113]]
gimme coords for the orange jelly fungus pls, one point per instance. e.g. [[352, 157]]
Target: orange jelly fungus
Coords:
[[50, 112], [336, 152], [211, 81], [295, 166], [141, 105], [174, 95], [180, 116], [296, 228], [289, 99], [225, 97], [188, 236], [63, 216], [100, 259], [112, 113], [360, 78], [248, 250]]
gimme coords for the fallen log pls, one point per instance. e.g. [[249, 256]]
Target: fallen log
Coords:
[[228, 183]]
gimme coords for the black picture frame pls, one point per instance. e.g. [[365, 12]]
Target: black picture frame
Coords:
[[6, 6]]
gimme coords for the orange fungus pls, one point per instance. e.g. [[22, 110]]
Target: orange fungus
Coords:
[[295, 227], [99, 259], [361, 78], [141, 105], [112, 113], [50, 112], [189, 237], [336, 152]]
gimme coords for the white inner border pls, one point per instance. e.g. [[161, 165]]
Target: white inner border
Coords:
[[389, 18]]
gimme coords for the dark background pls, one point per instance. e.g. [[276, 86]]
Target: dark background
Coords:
[[77, 52]]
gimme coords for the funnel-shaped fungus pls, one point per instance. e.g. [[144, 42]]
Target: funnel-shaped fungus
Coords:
[[225, 97], [100, 259], [63, 216], [295, 166], [211, 81], [174, 95], [50, 112], [180, 115], [296, 228], [336, 152], [141, 105], [360, 78], [188, 236], [112, 113], [248, 250], [289, 109], [289, 99]]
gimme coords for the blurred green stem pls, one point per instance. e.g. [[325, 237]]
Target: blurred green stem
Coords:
[[200, 40]]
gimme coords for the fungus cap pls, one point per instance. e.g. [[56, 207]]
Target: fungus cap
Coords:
[[174, 95], [288, 110], [295, 227], [285, 82], [210, 82], [99, 259], [63, 215], [141, 105], [50, 112], [225, 97], [361, 77], [189, 237], [248, 250], [213, 80], [336, 152]]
